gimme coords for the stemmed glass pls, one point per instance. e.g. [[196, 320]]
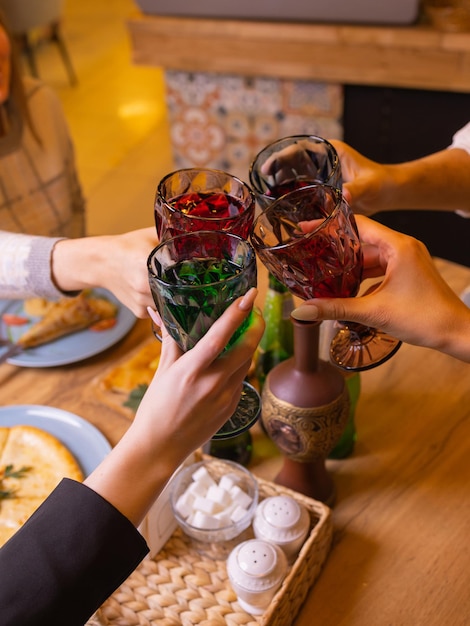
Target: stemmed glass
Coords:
[[295, 162], [308, 239], [291, 163], [194, 199], [193, 278]]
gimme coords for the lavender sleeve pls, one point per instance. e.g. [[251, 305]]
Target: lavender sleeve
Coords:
[[25, 266]]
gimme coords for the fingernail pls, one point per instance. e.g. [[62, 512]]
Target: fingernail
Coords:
[[154, 316], [246, 303], [305, 313]]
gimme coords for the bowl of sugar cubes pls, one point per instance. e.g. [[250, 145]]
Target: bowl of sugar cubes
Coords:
[[214, 500]]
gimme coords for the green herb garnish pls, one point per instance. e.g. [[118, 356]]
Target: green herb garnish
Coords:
[[9, 472]]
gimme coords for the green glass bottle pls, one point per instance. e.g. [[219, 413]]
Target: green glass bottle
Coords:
[[345, 445], [277, 342], [238, 448]]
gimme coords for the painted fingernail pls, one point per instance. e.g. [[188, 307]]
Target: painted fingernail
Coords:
[[154, 316], [305, 313], [246, 303]]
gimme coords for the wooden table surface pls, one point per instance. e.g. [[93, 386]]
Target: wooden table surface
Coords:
[[400, 552]]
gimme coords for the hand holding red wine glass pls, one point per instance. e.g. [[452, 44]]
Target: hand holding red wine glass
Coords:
[[308, 240]]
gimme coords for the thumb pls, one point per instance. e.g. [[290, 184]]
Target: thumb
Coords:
[[350, 309]]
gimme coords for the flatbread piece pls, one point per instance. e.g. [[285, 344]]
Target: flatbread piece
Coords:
[[49, 461], [66, 316]]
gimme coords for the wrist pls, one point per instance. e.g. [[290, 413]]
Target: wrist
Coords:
[[76, 263], [132, 476], [399, 186], [457, 340]]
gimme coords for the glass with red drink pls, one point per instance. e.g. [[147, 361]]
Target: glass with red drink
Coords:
[[195, 199], [308, 240], [291, 163]]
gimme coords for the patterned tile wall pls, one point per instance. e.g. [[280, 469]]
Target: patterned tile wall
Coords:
[[222, 121]]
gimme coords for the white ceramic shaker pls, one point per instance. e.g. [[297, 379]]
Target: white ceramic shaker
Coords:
[[256, 570], [282, 521]]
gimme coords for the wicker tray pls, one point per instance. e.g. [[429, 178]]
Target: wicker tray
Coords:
[[186, 583]]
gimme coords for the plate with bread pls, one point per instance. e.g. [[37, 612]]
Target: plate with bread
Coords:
[[71, 329], [40, 445]]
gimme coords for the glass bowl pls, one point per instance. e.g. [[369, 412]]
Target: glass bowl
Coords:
[[214, 500]]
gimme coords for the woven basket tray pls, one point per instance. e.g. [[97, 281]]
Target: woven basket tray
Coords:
[[186, 583]]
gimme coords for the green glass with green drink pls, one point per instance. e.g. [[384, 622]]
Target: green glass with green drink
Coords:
[[194, 277]]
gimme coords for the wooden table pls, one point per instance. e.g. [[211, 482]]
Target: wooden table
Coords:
[[400, 553]]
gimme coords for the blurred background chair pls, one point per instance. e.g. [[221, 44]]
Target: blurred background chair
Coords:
[[28, 18]]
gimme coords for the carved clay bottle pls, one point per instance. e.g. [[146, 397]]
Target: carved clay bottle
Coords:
[[305, 406]]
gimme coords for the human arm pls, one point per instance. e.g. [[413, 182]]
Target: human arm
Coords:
[[82, 542], [51, 267], [115, 262], [190, 397], [412, 302], [439, 181]]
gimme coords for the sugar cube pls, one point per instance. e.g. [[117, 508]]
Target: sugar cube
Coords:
[[228, 481], [203, 521], [206, 506], [240, 497], [238, 514], [202, 477], [219, 495], [184, 504]]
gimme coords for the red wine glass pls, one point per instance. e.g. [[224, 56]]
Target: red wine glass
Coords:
[[291, 163], [309, 240], [194, 199]]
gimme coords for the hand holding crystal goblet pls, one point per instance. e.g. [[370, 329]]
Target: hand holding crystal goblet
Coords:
[[193, 199], [308, 239], [194, 277]]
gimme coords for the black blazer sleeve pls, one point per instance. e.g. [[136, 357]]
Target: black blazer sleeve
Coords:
[[72, 553]]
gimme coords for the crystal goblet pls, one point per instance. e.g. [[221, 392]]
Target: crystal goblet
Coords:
[[291, 163], [193, 199], [308, 239], [194, 277]]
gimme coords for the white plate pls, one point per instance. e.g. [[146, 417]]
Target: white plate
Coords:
[[71, 348], [88, 445]]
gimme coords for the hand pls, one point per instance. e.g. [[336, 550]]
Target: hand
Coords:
[[201, 388], [190, 397], [438, 181], [115, 262], [365, 182], [412, 302]]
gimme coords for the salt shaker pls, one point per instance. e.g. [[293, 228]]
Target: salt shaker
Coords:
[[282, 521], [256, 570]]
